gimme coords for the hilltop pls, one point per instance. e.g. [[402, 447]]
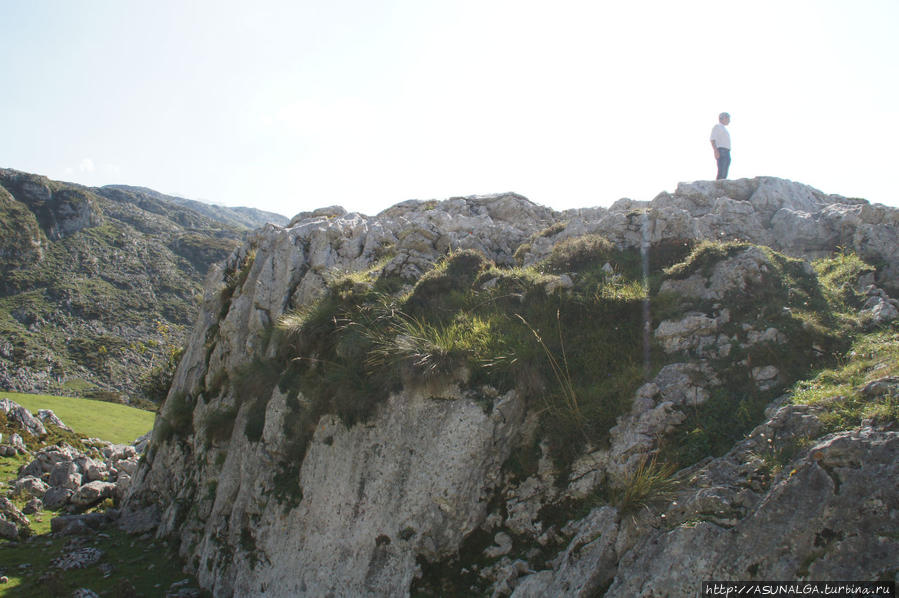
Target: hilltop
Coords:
[[483, 396], [99, 285]]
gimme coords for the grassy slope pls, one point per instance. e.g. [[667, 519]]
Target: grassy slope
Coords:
[[96, 419], [139, 568], [873, 356]]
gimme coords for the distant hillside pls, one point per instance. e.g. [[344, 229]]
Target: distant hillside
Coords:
[[239, 217], [99, 285]]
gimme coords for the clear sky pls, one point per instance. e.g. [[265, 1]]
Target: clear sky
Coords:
[[289, 106]]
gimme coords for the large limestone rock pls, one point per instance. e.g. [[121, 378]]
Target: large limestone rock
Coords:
[[412, 482], [357, 509]]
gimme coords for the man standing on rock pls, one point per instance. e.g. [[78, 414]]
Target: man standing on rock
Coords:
[[721, 144]]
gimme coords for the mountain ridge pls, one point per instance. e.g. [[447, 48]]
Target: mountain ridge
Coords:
[[97, 285]]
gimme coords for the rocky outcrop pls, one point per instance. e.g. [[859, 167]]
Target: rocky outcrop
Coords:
[[737, 520], [375, 506], [786, 216], [18, 415], [60, 212], [59, 477]]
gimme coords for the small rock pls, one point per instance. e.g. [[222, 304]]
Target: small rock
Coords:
[[503, 546], [33, 506], [78, 559]]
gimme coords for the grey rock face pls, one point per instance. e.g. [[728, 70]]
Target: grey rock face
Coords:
[[827, 503], [354, 514], [835, 500], [412, 482], [587, 564]]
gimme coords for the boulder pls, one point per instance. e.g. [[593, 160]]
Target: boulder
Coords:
[[139, 520], [91, 493], [85, 523], [33, 506], [57, 497], [8, 529], [92, 469], [11, 513], [65, 475], [79, 558], [31, 486], [14, 445], [18, 415], [49, 418]]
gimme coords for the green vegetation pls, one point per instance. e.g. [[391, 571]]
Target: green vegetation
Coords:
[[567, 336], [175, 418], [573, 349], [651, 484], [703, 257], [116, 423], [574, 353], [850, 391], [816, 309], [139, 568]]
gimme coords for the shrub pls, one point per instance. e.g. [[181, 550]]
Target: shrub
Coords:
[[703, 258], [839, 275], [443, 291], [255, 380], [846, 389], [155, 383], [175, 417], [576, 253]]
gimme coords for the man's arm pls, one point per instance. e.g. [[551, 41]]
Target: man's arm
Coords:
[[715, 148]]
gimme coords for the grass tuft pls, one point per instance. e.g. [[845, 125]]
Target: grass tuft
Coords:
[[651, 484]]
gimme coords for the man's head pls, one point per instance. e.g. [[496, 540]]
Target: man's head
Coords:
[[724, 118]]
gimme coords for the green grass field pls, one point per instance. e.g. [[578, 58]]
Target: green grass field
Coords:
[[114, 422]]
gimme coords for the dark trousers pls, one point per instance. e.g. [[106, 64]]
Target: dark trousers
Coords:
[[723, 162]]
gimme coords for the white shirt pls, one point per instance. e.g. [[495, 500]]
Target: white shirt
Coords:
[[720, 136]]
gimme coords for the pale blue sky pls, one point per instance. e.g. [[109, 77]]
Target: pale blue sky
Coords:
[[289, 106]]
